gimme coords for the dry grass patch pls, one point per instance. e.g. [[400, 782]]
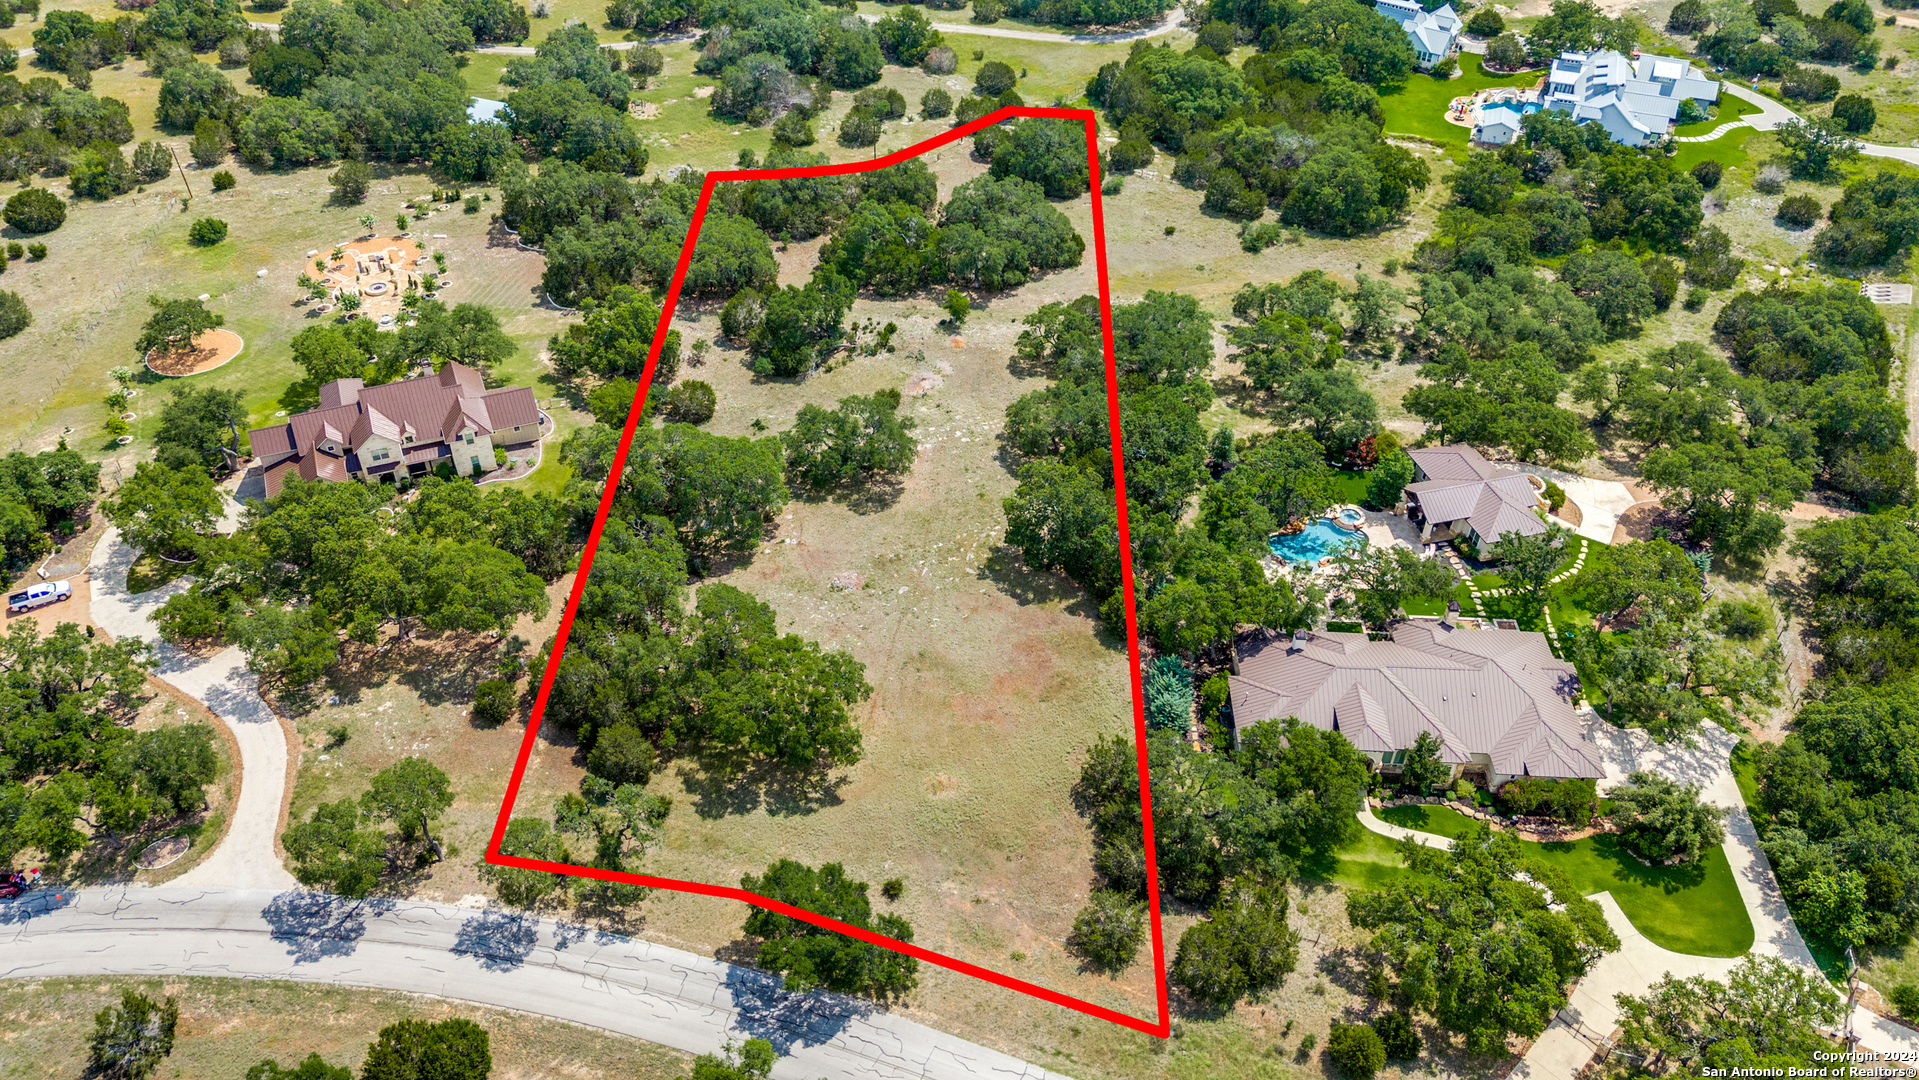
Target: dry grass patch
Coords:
[[229, 1025]]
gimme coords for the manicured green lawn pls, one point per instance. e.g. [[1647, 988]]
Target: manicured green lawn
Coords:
[[1730, 108], [1367, 862], [1568, 613], [1352, 485], [1418, 107], [1728, 150], [1688, 909]]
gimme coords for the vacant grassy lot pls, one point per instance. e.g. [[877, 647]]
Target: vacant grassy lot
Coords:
[[229, 1025], [989, 681], [1688, 909]]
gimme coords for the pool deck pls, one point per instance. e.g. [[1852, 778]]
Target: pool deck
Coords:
[[1384, 528]]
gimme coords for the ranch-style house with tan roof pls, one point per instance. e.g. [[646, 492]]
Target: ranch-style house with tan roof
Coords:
[[1499, 702]]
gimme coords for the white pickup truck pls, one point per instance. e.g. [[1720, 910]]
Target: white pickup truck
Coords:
[[47, 592]]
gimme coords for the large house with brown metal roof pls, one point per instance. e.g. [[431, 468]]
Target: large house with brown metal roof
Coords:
[[405, 428], [1499, 702], [1456, 492]]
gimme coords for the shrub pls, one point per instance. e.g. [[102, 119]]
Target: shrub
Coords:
[[210, 139], [1169, 694], [1396, 1035], [940, 61], [1797, 212], [1571, 801], [1808, 84], [885, 103], [1688, 17], [1857, 113], [623, 754], [223, 181], [1108, 930], [15, 251], [994, 78], [793, 129], [936, 103], [645, 61], [36, 252], [1555, 496], [36, 210], [472, 204], [859, 129], [493, 702], [351, 181], [742, 314], [14, 316], [1708, 174], [1741, 619], [207, 231], [1770, 181], [893, 888], [151, 162], [1905, 999], [1485, 23], [1446, 68], [988, 11], [690, 402], [1506, 53], [130, 1039], [971, 108], [1357, 1050]]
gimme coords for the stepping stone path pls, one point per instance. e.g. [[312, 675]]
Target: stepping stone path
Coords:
[[1479, 596]]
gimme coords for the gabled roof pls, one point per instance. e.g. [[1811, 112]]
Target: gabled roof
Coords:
[[423, 412], [1462, 485], [1498, 693], [1634, 100], [1433, 32]]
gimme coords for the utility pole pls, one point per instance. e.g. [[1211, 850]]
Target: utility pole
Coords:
[[183, 177]]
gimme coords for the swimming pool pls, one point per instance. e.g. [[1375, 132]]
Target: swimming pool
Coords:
[[1315, 542]]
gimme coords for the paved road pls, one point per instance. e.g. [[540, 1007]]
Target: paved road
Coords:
[[1772, 114], [1173, 21], [245, 858], [497, 958]]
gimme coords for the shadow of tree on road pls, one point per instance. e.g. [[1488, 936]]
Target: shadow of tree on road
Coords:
[[765, 1010], [316, 926], [499, 940]]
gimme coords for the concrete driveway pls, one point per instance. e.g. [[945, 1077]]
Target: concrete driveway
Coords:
[[1592, 1013], [245, 858], [1600, 502]]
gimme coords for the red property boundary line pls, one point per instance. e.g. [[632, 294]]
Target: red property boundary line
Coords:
[[1162, 1027]]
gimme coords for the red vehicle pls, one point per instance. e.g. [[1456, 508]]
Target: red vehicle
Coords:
[[15, 884]]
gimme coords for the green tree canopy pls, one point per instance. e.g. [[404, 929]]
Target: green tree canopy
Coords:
[[1485, 955], [809, 956]]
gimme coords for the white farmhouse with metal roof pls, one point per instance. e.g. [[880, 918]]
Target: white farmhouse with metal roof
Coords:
[[1432, 34], [1636, 101], [1499, 702]]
